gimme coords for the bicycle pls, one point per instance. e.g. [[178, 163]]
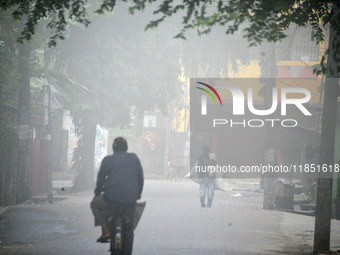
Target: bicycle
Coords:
[[117, 222], [116, 227]]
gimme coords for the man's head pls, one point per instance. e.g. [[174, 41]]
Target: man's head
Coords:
[[119, 144], [206, 150]]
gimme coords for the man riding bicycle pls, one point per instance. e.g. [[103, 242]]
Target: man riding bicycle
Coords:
[[121, 179]]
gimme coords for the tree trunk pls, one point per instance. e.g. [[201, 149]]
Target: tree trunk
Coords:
[[325, 182], [269, 72], [85, 176], [22, 192]]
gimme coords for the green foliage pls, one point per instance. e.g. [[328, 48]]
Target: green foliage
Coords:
[[105, 74], [59, 13], [8, 80], [119, 71], [265, 20], [88, 80]]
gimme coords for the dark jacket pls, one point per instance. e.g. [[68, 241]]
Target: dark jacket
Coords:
[[204, 164], [121, 178]]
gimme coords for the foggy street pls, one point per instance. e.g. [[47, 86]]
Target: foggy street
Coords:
[[173, 223], [121, 92]]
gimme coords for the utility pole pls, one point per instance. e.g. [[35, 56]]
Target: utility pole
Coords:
[[47, 123], [268, 74], [23, 169], [325, 181]]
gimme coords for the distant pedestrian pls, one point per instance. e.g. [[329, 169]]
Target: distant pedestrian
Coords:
[[207, 177]]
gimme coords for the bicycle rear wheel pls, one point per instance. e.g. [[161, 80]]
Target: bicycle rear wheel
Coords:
[[116, 244]]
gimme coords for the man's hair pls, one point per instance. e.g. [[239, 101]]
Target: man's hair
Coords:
[[119, 144]]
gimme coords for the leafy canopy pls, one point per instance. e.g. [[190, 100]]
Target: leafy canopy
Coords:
[[59, 13], [266, 20]]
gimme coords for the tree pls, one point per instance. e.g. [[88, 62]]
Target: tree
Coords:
[[265, 20], [125, 74], [8, 113], [18, 64], [115, 73], [59, 13]]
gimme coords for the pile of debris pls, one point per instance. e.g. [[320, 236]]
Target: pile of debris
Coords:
[[285, 200]]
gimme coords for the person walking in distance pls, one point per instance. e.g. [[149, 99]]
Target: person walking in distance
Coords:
[[207, 177]]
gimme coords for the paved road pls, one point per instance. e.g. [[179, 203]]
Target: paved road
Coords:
[[173, 223]]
